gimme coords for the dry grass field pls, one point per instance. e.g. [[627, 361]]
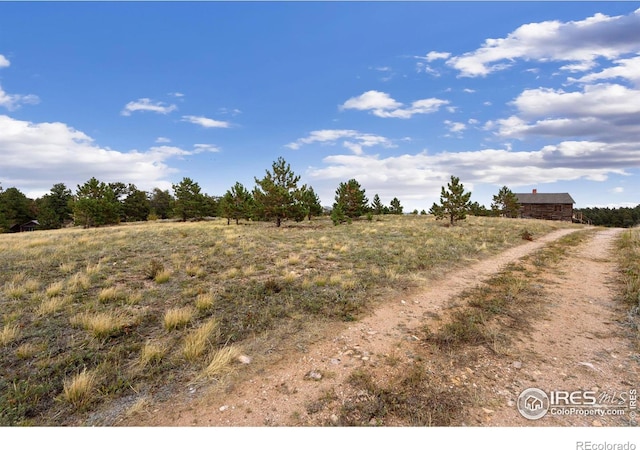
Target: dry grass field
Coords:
[[91, 317]]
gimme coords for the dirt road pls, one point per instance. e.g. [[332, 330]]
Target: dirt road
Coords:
[[581, 345]]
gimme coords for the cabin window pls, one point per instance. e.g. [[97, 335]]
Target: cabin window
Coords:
[[558, 207]]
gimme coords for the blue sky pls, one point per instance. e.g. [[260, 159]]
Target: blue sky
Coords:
[[398, 95]]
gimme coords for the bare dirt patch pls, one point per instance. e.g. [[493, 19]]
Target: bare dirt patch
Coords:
[[578, 343]]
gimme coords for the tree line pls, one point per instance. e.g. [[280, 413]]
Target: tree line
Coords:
[[623, 217], [276, 197]]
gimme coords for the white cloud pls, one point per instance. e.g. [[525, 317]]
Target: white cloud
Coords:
[[14, 101], [145, 104], [382, 105], [200, 148], [603, 112], [162, 140], [455, 127], [579, 42], [419, 176], [351, 139], [206, 122], [232, 112], [432, 56], [37, 155], [617, 190], [421, 67], [371, 100], [176, 94], [593, 100], [628, 69]]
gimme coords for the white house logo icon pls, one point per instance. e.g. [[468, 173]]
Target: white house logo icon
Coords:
[[533, 403]]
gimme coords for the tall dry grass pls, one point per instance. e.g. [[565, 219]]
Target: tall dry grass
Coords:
[[251, 281]]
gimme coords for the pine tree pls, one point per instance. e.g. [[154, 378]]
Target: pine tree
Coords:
[[376, 205], [96, 204], [136, 205], [276, 194], [15, 208], [54, 208], [161, 203], [310, 202], [454, 202], [189, 200], [236, 203], [351, 198], [505, 203], [338, 216], [395, 206]]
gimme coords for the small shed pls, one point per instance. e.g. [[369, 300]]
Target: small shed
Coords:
[[546, 206], [32, 225]]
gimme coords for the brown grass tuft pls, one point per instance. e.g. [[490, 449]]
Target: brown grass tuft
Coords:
[[177, 318], [221, 362], [78, 390], [197, 342], [8, 334]]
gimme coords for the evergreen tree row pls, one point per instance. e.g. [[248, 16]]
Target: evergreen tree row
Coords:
[[612, 217], [276, 197]]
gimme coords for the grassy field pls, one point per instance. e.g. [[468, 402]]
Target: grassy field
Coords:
[[629, 280], [125, 315], [629, 261]]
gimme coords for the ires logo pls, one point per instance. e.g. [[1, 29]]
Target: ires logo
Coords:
[[575, 398], [534, 403]]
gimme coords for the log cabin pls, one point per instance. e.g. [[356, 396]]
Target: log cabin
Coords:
[[546, 206]]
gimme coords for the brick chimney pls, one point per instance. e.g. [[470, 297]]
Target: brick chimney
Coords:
[[535, 191]]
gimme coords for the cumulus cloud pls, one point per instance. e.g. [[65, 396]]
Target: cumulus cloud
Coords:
[[580, 43], [351, 139], [419, 176], [37, 155], [382, 105], [146, 104], [206, 122], [625, 69], [593, 100], [603, 112], [4, 62]]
